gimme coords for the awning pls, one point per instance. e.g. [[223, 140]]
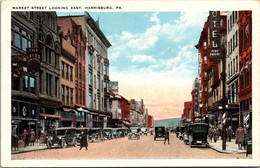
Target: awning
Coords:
[[49, 115], [84, 110], [68, 110]]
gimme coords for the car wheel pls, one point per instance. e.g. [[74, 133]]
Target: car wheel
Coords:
[[48, 144], [63, 143], [75, 143]]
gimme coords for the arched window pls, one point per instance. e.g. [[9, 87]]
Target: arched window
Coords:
[[48, 49]]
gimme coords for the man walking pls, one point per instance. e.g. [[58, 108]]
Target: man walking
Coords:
[[166, 137], [83, 140]]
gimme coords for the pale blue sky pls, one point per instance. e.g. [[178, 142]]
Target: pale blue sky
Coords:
[[153, 55]]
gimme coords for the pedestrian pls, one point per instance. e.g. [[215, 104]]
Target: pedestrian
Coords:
[[229, 133], [215, 134], [166, 137], [210, 133], [32, 138], [83, 140], [240, 137], [28, 138], [25, 137]]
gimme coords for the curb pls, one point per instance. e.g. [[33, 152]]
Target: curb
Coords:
[[225, 152], [17, 152]]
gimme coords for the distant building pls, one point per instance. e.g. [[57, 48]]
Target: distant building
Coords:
[[170, 123], [187, 112]]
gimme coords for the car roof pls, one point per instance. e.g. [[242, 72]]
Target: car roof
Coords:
[[205, 124], [65, 128]]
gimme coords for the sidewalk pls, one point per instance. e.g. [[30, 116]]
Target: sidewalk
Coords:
[[231, 147], [22, 149]]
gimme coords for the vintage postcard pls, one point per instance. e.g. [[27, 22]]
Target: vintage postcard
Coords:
[[129, 83]]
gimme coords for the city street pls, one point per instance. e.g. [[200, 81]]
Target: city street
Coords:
[[145, 148]]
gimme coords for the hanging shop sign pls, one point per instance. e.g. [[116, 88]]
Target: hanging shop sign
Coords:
[[214, 31], [33, 58]]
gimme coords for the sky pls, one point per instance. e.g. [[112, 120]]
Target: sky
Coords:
[[153, 56]]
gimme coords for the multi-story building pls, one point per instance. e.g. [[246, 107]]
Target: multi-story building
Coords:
[[245, 67], [187, 114], [36, 77], [133, 113], [97, 72], [195, 100], [120, 111], [73, 73], [150, 123], [232, 71]]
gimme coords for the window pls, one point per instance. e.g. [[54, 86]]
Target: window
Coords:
[[84, 103], [98, 84], [48, 84], [236, 38], [236, 64], [63, 93], [48, 49], [90, 78], [25, 83], [79, 71], [76, 92], [22, 39], [67, 96], [56, 86], [105, 87], [98, 104], [32, 85], [71, 73], [90, 59], [98, 66], [205, 59], [67, 71], [71, 95], [63, 69], [80, 95], [231, 49], [90, 100], [105, 70], [231, 67], [95, 81], [233, 42]]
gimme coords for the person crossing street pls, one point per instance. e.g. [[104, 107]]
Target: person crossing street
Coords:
[[166, 137]]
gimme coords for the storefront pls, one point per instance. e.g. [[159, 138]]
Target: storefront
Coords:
[[24, 116], [68, 118]]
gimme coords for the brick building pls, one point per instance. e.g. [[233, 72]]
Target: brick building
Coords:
[[187, 115], [245, 67]]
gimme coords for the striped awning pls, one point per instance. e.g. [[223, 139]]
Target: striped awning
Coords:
[[49, 115]]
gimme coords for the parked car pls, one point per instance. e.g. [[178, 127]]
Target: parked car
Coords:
[[134, 133], [198, 134], [122, 132], [63, 137], [107, 133], [114, 133], [95, 134], [159, 132], [144, 131], [186, 133]]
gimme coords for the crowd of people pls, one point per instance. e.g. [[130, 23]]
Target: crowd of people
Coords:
[[241, 135]]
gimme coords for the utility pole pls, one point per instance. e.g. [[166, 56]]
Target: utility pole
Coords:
[[224, 91]]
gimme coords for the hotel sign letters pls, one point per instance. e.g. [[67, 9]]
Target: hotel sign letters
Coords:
[[214, 31]]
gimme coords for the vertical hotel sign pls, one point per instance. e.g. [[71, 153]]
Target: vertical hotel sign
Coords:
[[214, 26]]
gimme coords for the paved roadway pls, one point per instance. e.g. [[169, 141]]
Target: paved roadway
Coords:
[[145, 148]]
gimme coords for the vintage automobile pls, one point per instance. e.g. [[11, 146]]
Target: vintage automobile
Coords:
[[78, 132], [159, 132], [186, 133], [134, 133], [107, 133], [144, 131], [63, 137], [95, 134], [122, 132], [198, 134], [114, 133]]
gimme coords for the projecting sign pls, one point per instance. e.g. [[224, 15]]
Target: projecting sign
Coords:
[[214, 31]]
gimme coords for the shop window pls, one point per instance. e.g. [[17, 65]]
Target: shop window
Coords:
[[22, 39]]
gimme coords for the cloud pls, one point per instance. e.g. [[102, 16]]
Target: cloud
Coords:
[[142, 58], [154, 18]]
